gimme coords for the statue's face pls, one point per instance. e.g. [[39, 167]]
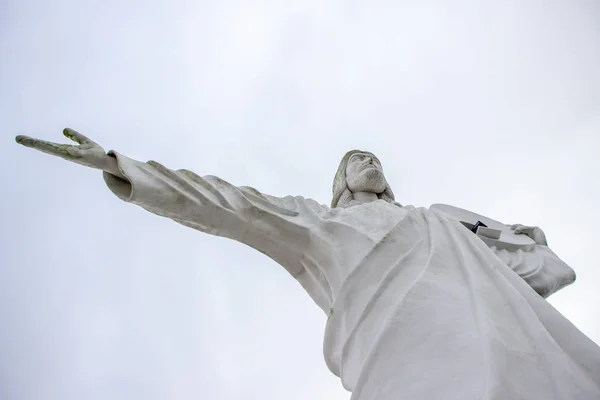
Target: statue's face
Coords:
[[365, 174]]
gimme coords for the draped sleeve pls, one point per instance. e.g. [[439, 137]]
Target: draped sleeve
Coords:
[[540, 268], [277, 227]]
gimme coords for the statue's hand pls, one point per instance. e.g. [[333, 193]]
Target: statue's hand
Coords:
[[87, 152], [533, 232]]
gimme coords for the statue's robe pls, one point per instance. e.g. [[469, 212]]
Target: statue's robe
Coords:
[[419, 307]]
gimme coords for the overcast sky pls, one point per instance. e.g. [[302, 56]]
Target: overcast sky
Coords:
[[494, 108]]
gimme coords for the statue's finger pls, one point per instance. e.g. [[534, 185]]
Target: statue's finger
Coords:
[[524, 229], [37, 144], [76, 136], [24, 140], [515, 226], [55, 149]]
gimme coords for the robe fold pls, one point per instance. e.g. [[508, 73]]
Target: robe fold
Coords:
[[418, 306]]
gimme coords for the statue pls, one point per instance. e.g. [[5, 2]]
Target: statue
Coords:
[[418, 306]]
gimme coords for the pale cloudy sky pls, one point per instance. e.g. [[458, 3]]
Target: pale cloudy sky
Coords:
[[491, 106]]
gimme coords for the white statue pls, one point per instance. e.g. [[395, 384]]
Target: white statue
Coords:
[[419, 307]]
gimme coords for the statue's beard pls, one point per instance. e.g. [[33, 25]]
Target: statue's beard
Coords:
[[369, 180]]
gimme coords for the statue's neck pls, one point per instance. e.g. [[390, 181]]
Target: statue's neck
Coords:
[[365, 197]]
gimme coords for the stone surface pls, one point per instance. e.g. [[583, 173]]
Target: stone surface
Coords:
[[419, 307]]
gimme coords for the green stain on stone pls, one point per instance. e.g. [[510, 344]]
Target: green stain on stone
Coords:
[[63, 150]]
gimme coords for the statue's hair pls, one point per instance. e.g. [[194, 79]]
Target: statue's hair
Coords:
[[342, 196]]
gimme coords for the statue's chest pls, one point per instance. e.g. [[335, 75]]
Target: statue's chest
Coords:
[[374, 220]]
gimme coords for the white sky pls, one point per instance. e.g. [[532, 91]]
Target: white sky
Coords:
[[494, 108]]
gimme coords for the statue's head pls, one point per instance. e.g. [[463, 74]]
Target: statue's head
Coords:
[[359, 171]]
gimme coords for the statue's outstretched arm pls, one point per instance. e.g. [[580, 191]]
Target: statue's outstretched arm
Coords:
[[276, 226]]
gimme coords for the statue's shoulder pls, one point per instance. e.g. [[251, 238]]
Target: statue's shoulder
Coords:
[[295, 204], [306, 204]]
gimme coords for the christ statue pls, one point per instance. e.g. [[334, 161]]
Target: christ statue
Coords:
[[418, 306]]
